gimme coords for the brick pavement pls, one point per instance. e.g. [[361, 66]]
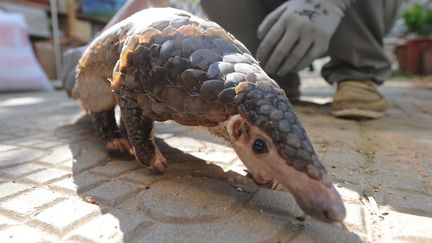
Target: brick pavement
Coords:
[[58, 184]]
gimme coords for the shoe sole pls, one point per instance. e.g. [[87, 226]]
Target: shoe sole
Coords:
[[358, 114]]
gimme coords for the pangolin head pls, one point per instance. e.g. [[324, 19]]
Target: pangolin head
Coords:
[[271, 142]]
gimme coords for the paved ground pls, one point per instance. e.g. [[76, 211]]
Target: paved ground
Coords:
[[57, 182]]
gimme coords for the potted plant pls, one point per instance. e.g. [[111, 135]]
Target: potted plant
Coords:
[[418, 20]]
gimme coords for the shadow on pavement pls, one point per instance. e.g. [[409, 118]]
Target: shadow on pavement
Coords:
[[193, 201]]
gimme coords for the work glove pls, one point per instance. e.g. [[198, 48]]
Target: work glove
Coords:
[[297, 32]]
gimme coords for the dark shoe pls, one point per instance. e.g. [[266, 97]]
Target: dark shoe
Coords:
[[359, 100], [289, 83], [292, 92]]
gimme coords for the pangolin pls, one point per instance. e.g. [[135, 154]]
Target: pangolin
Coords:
[[166, 64]]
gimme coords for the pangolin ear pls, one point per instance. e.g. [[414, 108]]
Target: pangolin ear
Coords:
[[235, 127]]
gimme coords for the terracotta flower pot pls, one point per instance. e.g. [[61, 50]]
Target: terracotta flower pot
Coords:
[[411, 54], [427, 61]]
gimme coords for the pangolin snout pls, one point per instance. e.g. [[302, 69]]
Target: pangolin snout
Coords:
[[327, 207], [316, 197]]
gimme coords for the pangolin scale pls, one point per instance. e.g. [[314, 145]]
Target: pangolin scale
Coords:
[[166, 64]]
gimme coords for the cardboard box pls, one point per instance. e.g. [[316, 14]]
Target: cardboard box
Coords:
[[82, 31], [44, 51]]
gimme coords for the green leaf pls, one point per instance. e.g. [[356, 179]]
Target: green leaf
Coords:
[[418, 20]]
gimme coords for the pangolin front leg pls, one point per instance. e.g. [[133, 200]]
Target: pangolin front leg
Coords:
[[141, 135], [115, 139]]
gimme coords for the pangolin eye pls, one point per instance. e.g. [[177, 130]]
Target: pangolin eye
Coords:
[[259, 146]]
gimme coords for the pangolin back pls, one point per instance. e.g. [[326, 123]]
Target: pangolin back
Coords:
[[184, 68]]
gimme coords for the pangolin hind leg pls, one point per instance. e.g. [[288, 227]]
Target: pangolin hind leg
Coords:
[[115, 139], [141, 135]]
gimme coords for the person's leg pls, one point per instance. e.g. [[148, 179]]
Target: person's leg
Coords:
[[358, 59], [242, 18], [356, 49]]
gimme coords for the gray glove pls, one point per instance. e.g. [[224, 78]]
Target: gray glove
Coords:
[[297, 32]]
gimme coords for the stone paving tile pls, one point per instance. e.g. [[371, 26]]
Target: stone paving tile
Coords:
[[186, 143], [64, 215], [116, 168], [321, 232], [143, 176], [21, 170], [409, 202], [6, 222], [254, 225], [18, 156], [196, 169], [204, 136], [6, 147], [220, 158], [5, 137], [131, 225], [27, 204], [28, 142], [112, 192], [349, 192], [381, 168], [112, 226], [93, 154], [355, 218], [237, 166], [11, 140], [46, 175], [61, 154], [78, 183], [10, 188], [347, 159], [168, 128], [24, 233], [344, 175], [158, 200], [402, 227], [45, 144], [394, 182]]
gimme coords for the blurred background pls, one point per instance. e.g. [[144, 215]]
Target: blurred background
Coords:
[[53, 26]]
